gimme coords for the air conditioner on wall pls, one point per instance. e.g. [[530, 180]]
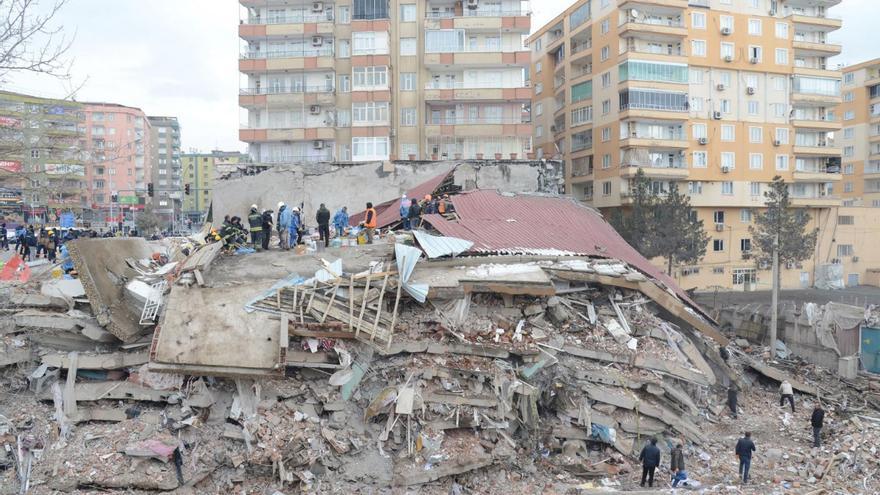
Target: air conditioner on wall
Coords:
[[472, 4], [753, 60], [315, 109], [317, 41], [716, 115], [750, 90], [728, 58], [720, 87], [704, 140], [725, 169], [719, 227], [317, 7], [777, 142], [855, 259], [318, 144], [726, 31]]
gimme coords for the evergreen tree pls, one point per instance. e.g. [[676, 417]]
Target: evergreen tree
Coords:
[[636, 224], [679, 235], [790, 224]]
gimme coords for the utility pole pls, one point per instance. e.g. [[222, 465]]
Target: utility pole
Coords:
[[774, 301]]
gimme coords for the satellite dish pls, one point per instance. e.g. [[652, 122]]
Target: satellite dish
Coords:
[[634, 13]]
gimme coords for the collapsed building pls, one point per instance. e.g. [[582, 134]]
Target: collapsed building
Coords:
[[515, 344]]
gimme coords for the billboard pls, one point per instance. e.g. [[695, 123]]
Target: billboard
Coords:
[[65, 169], [13, 166], [128, 200]]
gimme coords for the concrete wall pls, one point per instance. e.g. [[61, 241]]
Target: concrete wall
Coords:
[[801, 339], [353, 185]]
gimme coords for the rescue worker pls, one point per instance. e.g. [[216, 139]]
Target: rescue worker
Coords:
[[371, 220], [295, 226], [650, 458], [404, 212], [323, 219], [255, 221], [731, 399], [4, 241], [267, 228], [340, 221], [817, 420], [428, 205], [677, 466], [744, 448], [415, 215], [30, 242], [284, 218], [786, 393]]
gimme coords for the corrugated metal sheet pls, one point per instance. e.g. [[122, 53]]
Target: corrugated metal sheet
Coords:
[[389, 211], [407, 257], [436, 246]]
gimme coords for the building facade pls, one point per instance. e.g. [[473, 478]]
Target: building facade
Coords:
[[42, 168], [116, 140], [362, 80], [199, 171], [166, 178], [717, 96], [860, 137]]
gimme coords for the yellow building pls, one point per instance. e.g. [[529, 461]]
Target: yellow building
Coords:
[[714, 95], [860, 137], [198, 174]]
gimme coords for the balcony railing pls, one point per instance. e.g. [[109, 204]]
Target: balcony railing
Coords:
[[819, 169], [477, 120], [472, 85], [479, 13], [286, 90], [293, 18], [325, 51], [291, 158], [648, 21]]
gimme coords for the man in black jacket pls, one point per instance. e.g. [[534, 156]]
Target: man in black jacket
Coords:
[[817, 420], [744, 448], [731, 399], [650, 458], [323, 219], [267, 223]]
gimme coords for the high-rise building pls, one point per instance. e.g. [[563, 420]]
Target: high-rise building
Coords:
[[199, 173], [717, 96], [860, 137], [166, 173], [364, 80], [116, 140], [42, 171]]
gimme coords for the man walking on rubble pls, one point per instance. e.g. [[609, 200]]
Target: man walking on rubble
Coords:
[[677, 466], [744, 448], [255, 220], [650, 458], [323, 219], [731, 399], [786, 393], [817, 420]]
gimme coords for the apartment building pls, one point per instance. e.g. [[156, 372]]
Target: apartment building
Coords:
[[362, 80], [717, 96], [860, 137], [42, 171], [116, 143], [199, 171], [166, 176]]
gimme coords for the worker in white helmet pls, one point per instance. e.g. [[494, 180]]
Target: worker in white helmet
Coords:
[[255, 220], [283, 225]]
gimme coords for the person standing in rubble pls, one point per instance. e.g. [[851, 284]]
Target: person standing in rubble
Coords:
[[371, 221], [650, 458], [415, 214], [295, 227], [677, 466], [731, 399], [284, 218], [323, 219], [817, 420], [255, 221], [267, 228], [340, 221], [404, 212], [744, 448], [786, 393]]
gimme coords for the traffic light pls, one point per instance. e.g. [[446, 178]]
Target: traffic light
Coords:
[[186, 189], [150, 189]]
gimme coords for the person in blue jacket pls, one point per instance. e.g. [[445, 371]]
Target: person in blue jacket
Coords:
[[404, 212], [66, 260], [285, 216], [295, 226], [340, 221]]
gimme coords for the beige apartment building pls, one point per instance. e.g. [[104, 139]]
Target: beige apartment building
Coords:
[[860, 137], [718, 96], [363, 80]]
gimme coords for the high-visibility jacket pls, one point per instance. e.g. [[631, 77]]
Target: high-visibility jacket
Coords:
[[370, 220], [256, 222]]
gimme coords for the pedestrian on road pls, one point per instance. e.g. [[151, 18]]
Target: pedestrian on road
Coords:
[[744, 448], [284, 218], [323, 219], [817, 420], [677, 466], [650, 458], [404, 212], [340, 221], [255, 221], [786, 393], [371, 221], [731, 399], [267, 228]]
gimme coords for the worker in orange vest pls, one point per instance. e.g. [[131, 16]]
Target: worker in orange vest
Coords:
[[370, 222]]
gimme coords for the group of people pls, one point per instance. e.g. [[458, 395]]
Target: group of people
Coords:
[[411, 210], [745, 446]]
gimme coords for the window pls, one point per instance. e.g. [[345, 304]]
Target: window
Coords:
[[782, 30], [606, 107], [345, 83], [343, 118], [848, 187], [606, 188], [605, 26], [539, 131], [343, 14], [699, 159], [756, 135], [727, 188], [371, 9], [604, 53], [848, 96], [578, 17], [367, 78], [745, 215], [717, 245], [581, 116], [848, 169], [782, 135], [538, 67], [408, 13], [754, 108], [695, 187], [755, 27], [728, 133], [539, 109], [344, 50], [781, 162], [726, 22], [369, 148], [408, 117], [638, 70], [370, 112], [695, 76], [781, 56], [725, 78], [756, 53], [444, 40], [846, 220], [779, 83], [745, 245], [407, 81], [778, 109], [699, 131], [849, 115], [725, 106], [606, 134], [849, 151], [371, 43], [698, 20], [606, 79], [727, 50], [849, 133], [698, 48], [583, 91], [539, 88], [728, 160], [756, 161], [407, 46], [844, 250], [849, 78], [755, 189], [718, 216], [606, 161]]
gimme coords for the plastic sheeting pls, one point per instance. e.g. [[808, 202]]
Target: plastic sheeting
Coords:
[[826, 320], [829, 277], [407, 257]]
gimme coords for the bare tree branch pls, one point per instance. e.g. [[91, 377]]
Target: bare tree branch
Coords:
[[29, 42]]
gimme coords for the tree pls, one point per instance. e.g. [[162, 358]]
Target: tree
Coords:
[[147, 222], [28, 40], [790, 224], [680, 236], [636, 225]]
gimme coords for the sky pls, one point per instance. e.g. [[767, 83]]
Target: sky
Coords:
[[180, 58]]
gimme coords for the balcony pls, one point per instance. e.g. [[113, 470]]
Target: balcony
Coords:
[[680, 172], [816, 70], [813, 22], [256, 61], [816, 48], [284, 97], [649, 142], [488, 127], [819, 123], [653, 28], [510, 19], [816, 201], [284, 26], [508, 57], [256, 135], [442, 90], [817, 149], [872, 170], [641, 4], [650, 104], [819, 174]]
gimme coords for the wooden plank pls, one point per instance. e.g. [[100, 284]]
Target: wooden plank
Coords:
[[379, 308], [321, 334], [394, 314], [70, 387], [112, 361], [351, 303], [332, 299], [283, 333], [199, 278], [363, 306]]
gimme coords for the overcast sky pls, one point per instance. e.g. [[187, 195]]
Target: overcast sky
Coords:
[[180, 58]]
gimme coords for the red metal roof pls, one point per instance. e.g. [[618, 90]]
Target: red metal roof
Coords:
[[389, 211]]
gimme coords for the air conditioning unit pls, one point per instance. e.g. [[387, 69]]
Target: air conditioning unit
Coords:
[[728, 58], [747, 255], [704, 140], [315, 109], [753, 60], [720, 87], [318, 144], [726, 31], [725, 169], [719, 227], [716, 115], [317, 40], [789, 265], [317, 7], [764, 265], [552, 128], [472, 4], [855, 259], [777, 143], [750, 90]]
